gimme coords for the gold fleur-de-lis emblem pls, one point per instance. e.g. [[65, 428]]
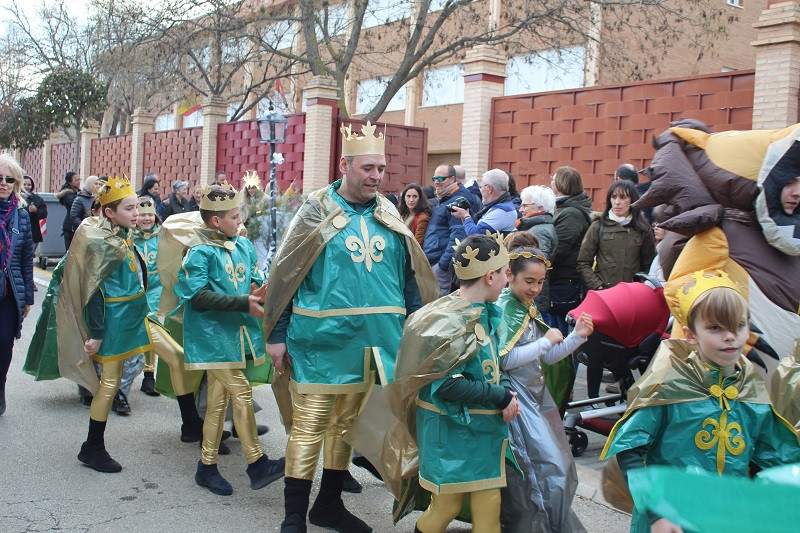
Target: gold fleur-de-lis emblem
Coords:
[[149, 256], [235, 275], [490, 371], [721, 436], [369, 249]]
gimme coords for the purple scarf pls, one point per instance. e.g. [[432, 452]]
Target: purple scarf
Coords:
[[7, 208]]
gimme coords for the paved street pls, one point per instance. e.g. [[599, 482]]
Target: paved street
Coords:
[[44, 487]]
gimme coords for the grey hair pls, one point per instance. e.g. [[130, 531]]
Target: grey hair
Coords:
[[539, 195], [88, 184], [497, 179]]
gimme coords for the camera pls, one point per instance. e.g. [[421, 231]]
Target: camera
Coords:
[[458, 202]]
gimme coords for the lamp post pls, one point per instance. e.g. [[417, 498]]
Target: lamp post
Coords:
[[272, 130]]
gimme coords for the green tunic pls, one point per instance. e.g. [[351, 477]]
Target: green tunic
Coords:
[[125, 310], [710, 422], [337, 331], [220, 339], [147, 244], [462, 448]]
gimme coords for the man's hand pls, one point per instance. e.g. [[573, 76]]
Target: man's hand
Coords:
[[512, 409], [662, 525], [554, 335], [584, 326], [32, 208], [256, 300], [459, 213], [91, 346], [277, 352]]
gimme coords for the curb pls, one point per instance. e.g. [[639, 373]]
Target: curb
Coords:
[[590, 483], [41, 277]]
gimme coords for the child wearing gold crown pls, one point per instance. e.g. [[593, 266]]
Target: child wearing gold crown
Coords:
[[145, 238], [222, 293], [448, 371], [102, 309], [701, 404]]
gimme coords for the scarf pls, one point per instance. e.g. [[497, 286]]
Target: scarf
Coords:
[[7, 208], [622, 221]]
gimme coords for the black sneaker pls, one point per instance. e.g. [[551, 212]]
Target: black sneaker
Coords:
[[208, 476], [351, 485], [261, 429], [333, 515], [149, 384], [96, 457], [264, 471], [120, 404], [293, 524]]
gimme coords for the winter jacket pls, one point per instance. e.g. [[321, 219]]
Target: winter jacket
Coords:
[[81, 209], [498, 215], [571, 220], [173, 207], [20, 268], [617, 253], [40, 214], [418, 224], [443, 230], [542, 227], [66, 196]]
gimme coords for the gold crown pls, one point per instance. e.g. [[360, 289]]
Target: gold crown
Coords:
[[475, 267], [146, 206], [251, 179], [219, 204], [368, 144], [682, 293], [116, 189]]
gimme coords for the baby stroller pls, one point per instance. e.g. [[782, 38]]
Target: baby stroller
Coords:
[[629, 322]]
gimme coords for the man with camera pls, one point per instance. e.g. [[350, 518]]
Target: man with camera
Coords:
[[498, 213], [444, 228]]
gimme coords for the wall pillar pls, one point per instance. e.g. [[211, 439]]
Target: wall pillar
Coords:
[[777, 79], [88, 134], [484, 79], [143, 121], [215, 112], [321, 95], [47, 151]]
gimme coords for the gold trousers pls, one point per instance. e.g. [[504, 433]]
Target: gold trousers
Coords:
[[485, 505], [223, 384], [321, 418], [172, 353], [149, 361], [110, 378]]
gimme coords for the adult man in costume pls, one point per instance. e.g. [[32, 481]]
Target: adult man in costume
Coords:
[[345, 277]]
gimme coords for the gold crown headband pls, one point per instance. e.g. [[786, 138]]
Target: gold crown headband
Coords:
[[251, 179], [475, 267], [116, 189], [529, 255], [146, 206], [368, 144], [681, 299], [219, 204]]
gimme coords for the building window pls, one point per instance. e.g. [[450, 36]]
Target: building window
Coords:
[[548, 70], [443, 86], [437, 5], [282, 103], [233, 50], [337, 20], [195, 120], [370, 91], [279, 35], [735, 3], [385, 11], [165, 122], [232, 108]]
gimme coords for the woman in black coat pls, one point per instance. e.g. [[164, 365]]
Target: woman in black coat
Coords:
[[16, 264], [66, 195], [37, 209], [82, 206]]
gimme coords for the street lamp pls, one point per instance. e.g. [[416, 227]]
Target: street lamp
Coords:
[[272, 130]]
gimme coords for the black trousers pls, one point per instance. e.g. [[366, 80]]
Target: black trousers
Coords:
[[9, 318]]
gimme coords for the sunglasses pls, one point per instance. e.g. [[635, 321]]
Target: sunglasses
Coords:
[[9, 179], [439, 179]]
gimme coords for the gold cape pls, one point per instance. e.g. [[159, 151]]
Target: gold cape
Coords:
[[96, 251], [785, 390], [305, 239]]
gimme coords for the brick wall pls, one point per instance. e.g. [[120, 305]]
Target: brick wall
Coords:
[[32, 163], [111, 156], [62, 160], [240, 149], [598, 128], [173, 155]]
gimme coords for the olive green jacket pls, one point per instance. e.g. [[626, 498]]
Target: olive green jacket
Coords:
[[614, 254]]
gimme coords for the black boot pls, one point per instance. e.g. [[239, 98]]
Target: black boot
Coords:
[[261, 429], [329, 511], [93, 452], [208, 476], [264, 471], [2, 398], [149, 384], [351, 485], [192, 427], [120, 404], [85, 396], [295, 503]]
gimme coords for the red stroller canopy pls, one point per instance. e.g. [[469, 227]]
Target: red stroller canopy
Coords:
[[627, 312]]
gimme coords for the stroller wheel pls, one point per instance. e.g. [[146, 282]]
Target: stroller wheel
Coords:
[[578, 441]]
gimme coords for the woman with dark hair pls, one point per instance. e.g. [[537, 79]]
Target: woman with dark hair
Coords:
[[617, 245], [82, 206], [514, 192], [415, 211], [151, 188], [37, 210], [66, 195], [16, 264]]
